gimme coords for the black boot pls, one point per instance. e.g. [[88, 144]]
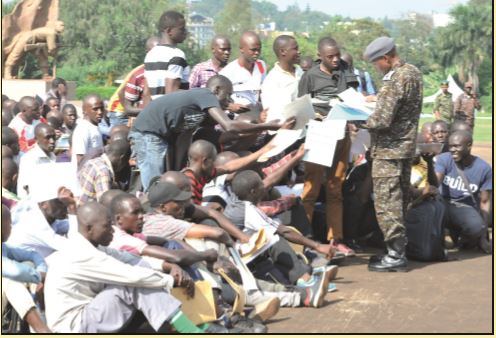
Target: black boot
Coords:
[[395, 259]]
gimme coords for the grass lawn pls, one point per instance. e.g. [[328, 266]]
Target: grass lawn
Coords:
[[483, 132]]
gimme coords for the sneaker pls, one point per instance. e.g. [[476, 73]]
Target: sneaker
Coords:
[[343, 248], [332, 270], [316, 292], [331, 287], [265, 310]]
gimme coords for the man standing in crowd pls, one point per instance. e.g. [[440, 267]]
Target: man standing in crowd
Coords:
[[246, 73], [58, 91], [443, 105], [466, 186], [159, 125], [166, 69], [393, 127], [87, 137], [280, 87], [466, 104], [324, 82], [42, 152], [202, 72], [24, 122]]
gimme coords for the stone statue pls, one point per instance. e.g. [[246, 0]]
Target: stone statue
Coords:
[[33, 26]]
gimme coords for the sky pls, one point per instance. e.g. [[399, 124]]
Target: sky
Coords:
[[393, 9]]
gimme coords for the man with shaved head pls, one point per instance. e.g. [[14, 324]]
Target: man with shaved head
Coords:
[[25, 122], [107, 286], [99, 174], [202, 72], [87, 136], [202, 168], [281, 85], [247, 72], [42, 152], [161, 127], [466, 186]]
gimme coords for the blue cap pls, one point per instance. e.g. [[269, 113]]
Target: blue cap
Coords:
[[377, 48]]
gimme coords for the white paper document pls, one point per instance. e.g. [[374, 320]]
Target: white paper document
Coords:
[[353, 108], [45, 181], [302, 109], [321, 140], [283, 139]]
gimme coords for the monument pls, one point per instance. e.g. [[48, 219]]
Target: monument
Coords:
[[32, 27]]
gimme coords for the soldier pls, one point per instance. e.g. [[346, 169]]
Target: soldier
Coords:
[[443, 106], [17, 49], [466, 104], [393, 127]]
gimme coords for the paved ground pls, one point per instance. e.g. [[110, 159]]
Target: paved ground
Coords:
[[449, 297]]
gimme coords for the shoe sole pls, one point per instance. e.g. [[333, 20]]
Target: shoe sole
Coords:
[[324, 282], [266, 310], [397, 269]]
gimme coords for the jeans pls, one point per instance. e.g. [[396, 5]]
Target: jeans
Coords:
[[117, 119], [465, 223], [150, 152]]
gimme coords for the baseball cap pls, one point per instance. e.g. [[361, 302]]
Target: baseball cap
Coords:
[[162, 192]]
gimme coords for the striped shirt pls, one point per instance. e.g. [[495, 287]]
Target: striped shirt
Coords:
[[165, 62], [165, 226], [135, 86], [95, 178], [197, 184]]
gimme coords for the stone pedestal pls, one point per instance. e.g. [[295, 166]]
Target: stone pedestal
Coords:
[[15, 89]]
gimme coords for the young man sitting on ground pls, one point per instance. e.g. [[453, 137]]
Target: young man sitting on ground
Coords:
[[466, 186]]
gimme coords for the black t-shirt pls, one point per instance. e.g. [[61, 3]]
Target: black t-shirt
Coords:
[[176, 112], [324, 87]]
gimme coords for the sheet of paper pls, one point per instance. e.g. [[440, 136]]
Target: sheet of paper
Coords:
[[45, 181], [201, 308], [321, 141], [353, 108], [342, 111], [302, 109], [256, 220], [283, 139], [249, 282]]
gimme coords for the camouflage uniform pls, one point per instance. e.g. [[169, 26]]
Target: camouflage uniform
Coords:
[[444, 105], [465, 106], [393, 127]]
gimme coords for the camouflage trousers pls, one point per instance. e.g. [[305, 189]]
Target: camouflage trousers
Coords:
[[391, 186]]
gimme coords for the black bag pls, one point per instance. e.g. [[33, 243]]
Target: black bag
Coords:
[[425, 231]]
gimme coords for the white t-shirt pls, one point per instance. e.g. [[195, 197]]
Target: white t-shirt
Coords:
[[246, 85], [86, 137], [278, 89]]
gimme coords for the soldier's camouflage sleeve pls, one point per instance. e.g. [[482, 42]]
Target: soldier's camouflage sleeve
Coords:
[[387, 104]]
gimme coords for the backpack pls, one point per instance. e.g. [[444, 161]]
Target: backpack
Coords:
[[425, 231]]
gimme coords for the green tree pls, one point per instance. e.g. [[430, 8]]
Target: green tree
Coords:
[[105, 39], [467, 42], [235, 18]]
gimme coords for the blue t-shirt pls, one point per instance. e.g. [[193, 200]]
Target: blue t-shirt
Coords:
[[478, 173]]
